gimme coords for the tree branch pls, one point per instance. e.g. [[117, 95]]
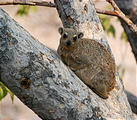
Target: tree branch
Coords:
[[27, 2], [129, 8], [36, 75], [106, 12], [117, 12], [132, 101], [121, 15]]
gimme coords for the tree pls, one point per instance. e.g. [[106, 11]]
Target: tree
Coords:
[[37, 76], [129, 8]]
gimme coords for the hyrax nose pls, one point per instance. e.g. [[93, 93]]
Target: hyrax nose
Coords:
[[68, 43]]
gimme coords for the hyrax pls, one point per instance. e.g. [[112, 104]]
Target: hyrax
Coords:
[[88, 59]]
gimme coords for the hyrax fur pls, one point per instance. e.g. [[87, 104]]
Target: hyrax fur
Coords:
[[89, 60]]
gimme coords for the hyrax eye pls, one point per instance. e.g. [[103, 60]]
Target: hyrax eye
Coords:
[[74, 37], [64, 35]]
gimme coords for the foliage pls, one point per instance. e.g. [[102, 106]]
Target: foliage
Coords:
[[124, 36], [109, 28], [4, 91], [24, 9]]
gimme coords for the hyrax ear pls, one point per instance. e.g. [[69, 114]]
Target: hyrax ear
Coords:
[[80, 35], [60, 30]]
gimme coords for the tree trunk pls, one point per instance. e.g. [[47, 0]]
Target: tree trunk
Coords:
[[36, 75], [129, 8]]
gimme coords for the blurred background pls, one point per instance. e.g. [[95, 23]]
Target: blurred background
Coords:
[[43, 23]]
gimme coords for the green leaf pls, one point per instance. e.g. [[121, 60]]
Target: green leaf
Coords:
[[105, 21], [117, 20], [23, 10], [123, 36], [111, 30], [11, 94], [34, 8], [122, 73], [107, 26], [3, 91]]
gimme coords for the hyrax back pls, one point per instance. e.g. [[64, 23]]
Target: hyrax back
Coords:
[[89, 60]]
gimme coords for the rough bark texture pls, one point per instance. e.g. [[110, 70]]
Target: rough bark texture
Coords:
[[36, 75], [129, 8], [132, 101]]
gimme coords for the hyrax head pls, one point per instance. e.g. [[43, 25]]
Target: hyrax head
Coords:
[[69, 36]]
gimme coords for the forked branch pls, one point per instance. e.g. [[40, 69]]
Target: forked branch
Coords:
[[116, 12]]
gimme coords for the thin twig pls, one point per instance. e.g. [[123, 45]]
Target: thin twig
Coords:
[[27, 2], [112, 13]]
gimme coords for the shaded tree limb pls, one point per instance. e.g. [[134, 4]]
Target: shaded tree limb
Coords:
[[129, 8], [36, 75], [132, 101]]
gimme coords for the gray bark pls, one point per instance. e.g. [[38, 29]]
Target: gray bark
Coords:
[[36, 75], [129, 8], [132, 101]]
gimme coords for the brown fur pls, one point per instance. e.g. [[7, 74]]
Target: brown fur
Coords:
[[89, 60]]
